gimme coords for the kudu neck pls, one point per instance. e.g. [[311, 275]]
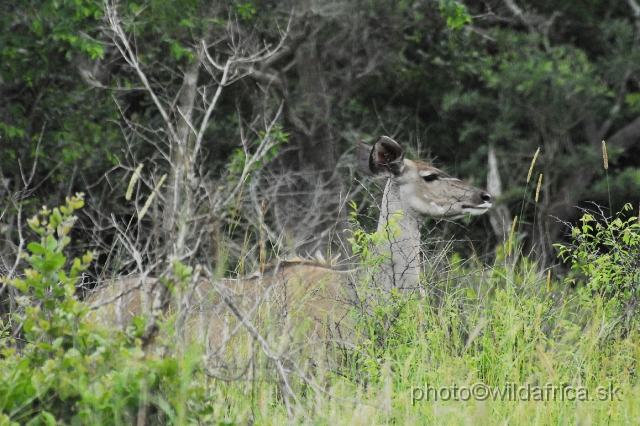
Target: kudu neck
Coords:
[[401, 267]]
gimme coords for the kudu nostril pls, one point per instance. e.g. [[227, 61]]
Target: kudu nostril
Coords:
[[486, 197]]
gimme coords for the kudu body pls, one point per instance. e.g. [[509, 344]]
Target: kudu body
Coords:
[[283, 297]]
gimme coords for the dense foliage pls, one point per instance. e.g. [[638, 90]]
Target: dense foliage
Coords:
[[448, 77]]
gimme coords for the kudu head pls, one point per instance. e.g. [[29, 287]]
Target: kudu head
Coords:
[[422, 189]]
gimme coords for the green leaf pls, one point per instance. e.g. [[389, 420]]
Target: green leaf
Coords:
[[36, 248], [65, 241], [48, 418], [20, 285], [52, 244], [37, 28], [49, 304], [44, 346], [56, 218], [53, 263], [456, 13]]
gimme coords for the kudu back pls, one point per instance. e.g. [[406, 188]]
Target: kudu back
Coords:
[[299, 307]]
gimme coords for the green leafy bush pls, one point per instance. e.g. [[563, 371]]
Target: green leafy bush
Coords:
[[64, 368], [607, 253]]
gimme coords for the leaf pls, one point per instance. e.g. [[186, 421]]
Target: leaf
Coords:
[[53, 263], [65, 241], [20, 285], [28, 326], [56, 218], [49, 305], [37, 28], [36, 248], [52, 244], [48, 418], [87, 257], [44, 346]]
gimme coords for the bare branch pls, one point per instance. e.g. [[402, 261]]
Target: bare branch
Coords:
[[122, 42], [266, 143], [212, 103], [287, 391]]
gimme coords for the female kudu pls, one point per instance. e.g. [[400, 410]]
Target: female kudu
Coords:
[[269, 307]]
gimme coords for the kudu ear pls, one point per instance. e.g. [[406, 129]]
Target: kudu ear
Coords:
[[384, 158], [364, 155]]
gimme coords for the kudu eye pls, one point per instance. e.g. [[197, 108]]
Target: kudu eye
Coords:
[[430, 178]]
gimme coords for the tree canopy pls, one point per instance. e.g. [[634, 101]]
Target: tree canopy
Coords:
[[90, 88]]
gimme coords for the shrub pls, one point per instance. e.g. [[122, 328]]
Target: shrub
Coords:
[[65, 368], [606, 252]]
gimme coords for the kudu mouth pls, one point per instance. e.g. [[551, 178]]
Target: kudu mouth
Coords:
[[469, 210], [478, 209], [484, 203], [479, 203]]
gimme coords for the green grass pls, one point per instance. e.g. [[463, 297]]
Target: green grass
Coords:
[[509, 334], [502, 328]]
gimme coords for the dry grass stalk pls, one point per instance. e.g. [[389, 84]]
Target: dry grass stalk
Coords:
[[538, 189], [605, 157], [513, 230], [132, 182], [533, 162], [548, 280], [151, 197]]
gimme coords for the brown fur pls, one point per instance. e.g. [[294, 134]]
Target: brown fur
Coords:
[[296, 307]]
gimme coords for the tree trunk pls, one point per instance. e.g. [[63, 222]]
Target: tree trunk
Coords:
[[311, 205], [179, 194], [499, 215]]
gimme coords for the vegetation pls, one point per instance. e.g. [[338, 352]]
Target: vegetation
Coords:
[[504, 343], [607, 254], [220, 137]]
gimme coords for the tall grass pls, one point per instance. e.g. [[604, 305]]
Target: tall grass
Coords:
[[510, 335]]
